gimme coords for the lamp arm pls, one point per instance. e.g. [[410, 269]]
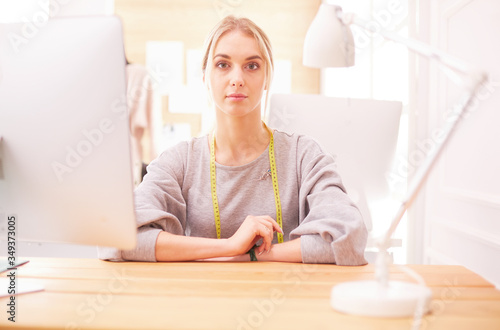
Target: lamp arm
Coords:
[[420, 177], [476, 81], [417, 46], [383, 260]]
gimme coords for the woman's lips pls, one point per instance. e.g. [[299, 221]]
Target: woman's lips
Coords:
[[236, 96]]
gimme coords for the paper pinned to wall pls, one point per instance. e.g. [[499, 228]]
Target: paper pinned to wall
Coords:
[[165, 63], [192, 97]]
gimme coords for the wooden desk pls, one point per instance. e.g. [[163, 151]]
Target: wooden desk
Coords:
[[93, 294]]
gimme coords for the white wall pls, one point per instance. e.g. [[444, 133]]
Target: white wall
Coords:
[[457, 219]]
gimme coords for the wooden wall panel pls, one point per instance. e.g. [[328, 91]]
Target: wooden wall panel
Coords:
[[189, 21]]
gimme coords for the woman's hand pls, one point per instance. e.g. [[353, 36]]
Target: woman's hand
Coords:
[[252, 230]]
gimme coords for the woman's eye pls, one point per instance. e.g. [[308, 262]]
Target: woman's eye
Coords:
[[222, 65], [253, 66]]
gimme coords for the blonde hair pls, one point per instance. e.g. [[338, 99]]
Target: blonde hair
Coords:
[[231, 23]]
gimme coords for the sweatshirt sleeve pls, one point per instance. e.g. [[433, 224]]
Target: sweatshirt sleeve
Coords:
[[159, 206], [331, 227]]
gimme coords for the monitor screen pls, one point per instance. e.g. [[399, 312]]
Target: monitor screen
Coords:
[[361, 134], [65, 164]]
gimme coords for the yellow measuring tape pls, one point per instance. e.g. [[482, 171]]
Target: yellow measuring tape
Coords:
[[274, 175]]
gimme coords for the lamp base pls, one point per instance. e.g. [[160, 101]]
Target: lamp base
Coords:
[[370, 298]]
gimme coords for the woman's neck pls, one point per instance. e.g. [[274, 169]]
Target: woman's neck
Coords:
[[239, 140]]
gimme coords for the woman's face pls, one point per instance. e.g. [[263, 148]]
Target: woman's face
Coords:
[[238, 76]]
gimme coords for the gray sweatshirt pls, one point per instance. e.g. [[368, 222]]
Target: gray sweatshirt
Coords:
[[175, 196]]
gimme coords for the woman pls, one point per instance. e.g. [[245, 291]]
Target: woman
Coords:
[[244, 183]]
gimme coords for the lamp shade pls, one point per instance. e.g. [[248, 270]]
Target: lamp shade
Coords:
[[329, 42]]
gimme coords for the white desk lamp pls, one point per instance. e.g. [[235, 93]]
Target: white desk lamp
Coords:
[[329, 43]]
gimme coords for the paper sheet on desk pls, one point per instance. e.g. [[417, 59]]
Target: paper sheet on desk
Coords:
[[5, 265], [22, 286], [10, 285]]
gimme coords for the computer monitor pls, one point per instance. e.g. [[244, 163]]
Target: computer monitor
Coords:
[[65, 163], [361, 134]]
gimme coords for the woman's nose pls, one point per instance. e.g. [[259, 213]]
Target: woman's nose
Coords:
[[237, 78]]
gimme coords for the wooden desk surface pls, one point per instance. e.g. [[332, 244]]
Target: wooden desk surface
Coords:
[[94, 294]]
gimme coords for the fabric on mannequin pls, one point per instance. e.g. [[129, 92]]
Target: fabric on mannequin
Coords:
[[140, 104]]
